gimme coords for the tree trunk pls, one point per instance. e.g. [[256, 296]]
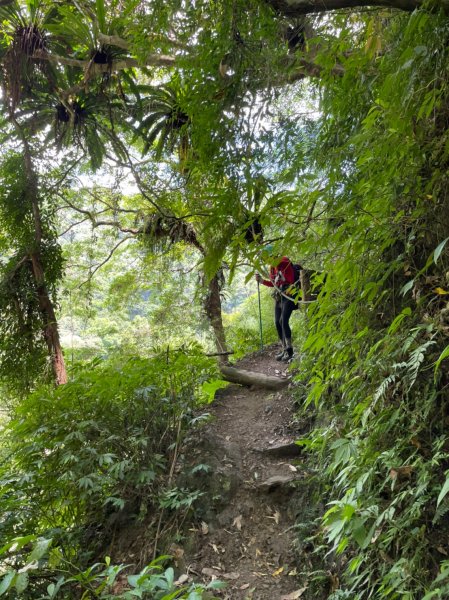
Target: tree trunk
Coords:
[[49, 321], [212, 308], [305, 285], [50, 325]]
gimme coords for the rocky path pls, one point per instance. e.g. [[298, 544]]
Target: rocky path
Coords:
[[252, 466]]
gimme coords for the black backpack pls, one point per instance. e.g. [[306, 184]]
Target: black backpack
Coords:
[[297, 268]]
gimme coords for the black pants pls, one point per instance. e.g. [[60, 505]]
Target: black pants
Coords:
[[283, 309]]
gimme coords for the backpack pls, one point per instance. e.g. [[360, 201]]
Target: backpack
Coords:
[[297, 268]]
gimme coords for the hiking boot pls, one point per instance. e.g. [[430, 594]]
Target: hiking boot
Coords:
[[288, 355], [280, 355]]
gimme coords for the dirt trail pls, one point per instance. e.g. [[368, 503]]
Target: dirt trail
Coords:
[[247, 534]]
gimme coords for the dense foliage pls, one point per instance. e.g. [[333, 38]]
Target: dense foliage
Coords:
[[85, 459], [383, 377]]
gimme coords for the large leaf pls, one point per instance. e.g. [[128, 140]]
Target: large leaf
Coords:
[[444, 491], [440, 359], [101, 14], [7, 582], [21, 582], [40, 549], [439, 249]]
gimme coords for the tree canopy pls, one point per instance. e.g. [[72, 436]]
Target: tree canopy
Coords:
[[153, 148]]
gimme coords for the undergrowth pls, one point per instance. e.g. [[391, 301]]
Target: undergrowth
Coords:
[[375, 356], [87, 459]]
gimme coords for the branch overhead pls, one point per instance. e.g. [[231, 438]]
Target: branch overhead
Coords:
[[297, 8], [153, 60]]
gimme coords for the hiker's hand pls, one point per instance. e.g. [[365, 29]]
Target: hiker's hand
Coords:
[[259, 278]]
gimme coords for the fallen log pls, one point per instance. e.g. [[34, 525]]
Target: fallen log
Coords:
[[252, 378]]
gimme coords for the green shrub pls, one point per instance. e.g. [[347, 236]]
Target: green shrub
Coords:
[[102, 444], [101, 580], [374, 359]]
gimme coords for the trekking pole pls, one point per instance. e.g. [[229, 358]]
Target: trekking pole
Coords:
[[260, 316]]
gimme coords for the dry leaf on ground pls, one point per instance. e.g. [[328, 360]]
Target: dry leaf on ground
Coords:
[[232, 575], [204, 528], [237, 522], [210, 572], [294, 595]]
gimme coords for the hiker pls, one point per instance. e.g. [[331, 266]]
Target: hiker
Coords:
[[282, 277]]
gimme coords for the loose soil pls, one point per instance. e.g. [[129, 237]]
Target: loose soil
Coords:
[[247, 534]]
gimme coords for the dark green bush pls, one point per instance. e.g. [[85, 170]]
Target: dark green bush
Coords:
[[100, 446]]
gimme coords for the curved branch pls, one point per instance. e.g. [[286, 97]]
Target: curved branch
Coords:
[[119, 42], [109, 256], [63, 233], [117, 225], [153, 60], [298, 8], [113, 40]]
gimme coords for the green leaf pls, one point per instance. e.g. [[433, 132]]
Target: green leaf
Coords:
[[170, 577], [6, 582], [398, 320], [101, 15], [430, 595], [407, 287], [359, 532], [209, 388], [171, 596], [17, 543], [53, 588], [194, 596], [249, 276], [444, 575], [438, 250], [421, 50], [21, 582], [39, 549], [440, 359], [217, 585], [444, 491]]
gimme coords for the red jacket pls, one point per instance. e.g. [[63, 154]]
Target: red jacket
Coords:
[[282, 275]]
